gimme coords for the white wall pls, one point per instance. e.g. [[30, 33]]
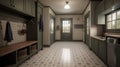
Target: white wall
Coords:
[[77, 33], [15, 26], [46, 19]]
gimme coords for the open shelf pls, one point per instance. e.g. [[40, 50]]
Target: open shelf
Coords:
[[15, 54]]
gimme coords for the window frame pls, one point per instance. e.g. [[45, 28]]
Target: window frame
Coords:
[[117, 19]]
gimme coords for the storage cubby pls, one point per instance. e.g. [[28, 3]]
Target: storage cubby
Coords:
[[8, 60], [15, 54], [22, 53], [33, 48]]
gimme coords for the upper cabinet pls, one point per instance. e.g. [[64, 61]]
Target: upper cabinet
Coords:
[[29, 7], [24, 6], [7, 3], [117, 1], [33, 8], [19, 5], [99, 13], [109, 4]]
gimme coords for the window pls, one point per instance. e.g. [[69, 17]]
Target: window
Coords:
[[113, 20], [66, 26]]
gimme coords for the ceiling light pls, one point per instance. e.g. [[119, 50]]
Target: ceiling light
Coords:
[[67, 5], [113, 8]]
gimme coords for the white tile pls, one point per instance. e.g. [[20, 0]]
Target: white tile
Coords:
[[65, 54]]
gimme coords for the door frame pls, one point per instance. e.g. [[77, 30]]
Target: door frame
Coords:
[[70, 28], [87, 37], [53, 35]]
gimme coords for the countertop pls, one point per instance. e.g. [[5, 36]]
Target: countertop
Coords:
[[99, 38], [113, 35]]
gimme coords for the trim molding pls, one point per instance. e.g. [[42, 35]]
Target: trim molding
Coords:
[[46, 45], [85, 8], [70, 41]]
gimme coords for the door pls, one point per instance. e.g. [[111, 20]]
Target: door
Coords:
[[66, 29], [52, 32], [87, 30]]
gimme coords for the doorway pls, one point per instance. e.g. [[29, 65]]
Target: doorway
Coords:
[[66, 29], [87, 30], [52, 31]]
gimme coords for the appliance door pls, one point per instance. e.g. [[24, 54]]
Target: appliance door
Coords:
[[111, 52]]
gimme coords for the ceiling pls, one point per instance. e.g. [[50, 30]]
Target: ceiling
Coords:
[[77, 6]]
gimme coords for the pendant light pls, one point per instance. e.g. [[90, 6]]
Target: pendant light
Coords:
[[67, 6]]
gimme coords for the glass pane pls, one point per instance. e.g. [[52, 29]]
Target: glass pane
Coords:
[[52, 26], [118, 14], [66, 26], [118, 24], [108, 25], [113, 25], [114, 16], [109, 18], [88, 25]]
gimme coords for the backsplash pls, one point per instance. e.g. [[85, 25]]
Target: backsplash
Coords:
[[15, 26]]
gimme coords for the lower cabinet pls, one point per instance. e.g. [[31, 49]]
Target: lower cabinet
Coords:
[[99, 47], [118, 56], [103, 51]]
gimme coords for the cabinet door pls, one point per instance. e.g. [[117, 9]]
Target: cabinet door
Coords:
[[103, 51], [118, 56], [19, 5], [96, 46], [92, 43], [33, 8], [108, 4], [117, 1], [6, 2], [28, 7]]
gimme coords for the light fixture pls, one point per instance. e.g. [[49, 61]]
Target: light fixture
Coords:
[[113, 8], [67, 5]]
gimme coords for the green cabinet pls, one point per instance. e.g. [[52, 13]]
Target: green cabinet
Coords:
[[15, 4], [99, 47], [29, 7], [7, 3], [33, 8], [24, 6], [118, 56], [94, 45], [102, 51], [109, 4], [19, 5]]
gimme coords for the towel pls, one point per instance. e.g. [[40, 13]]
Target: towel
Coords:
[[41, 23], [8, 33]]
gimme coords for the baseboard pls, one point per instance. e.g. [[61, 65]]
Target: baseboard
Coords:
[[46, 45], [71, 40]]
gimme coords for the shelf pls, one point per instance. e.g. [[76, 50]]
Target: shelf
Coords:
[[21, 54]]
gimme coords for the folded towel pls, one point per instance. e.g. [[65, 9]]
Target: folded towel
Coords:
[[8, 33]]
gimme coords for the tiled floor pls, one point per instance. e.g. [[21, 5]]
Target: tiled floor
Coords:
[[65, 54]]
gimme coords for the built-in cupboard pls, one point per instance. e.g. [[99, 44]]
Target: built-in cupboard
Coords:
[[25, 6]]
